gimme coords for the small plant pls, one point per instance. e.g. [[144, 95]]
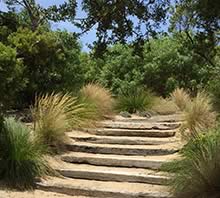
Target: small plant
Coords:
[[98, 98], [199, 115], [53, 114], [164, 106], [197, 173], [134, 100], [21, 155], [180, 97]]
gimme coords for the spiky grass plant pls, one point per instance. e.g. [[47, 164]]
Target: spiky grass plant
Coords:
[[54, 114], [98, 98], [164, 106], [199, 115], [180, 97], [197, 173], [21, 155], [134, 100]]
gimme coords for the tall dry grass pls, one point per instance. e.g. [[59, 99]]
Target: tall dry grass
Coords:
[[180, 97], [164, 106], [98, 98], [199, 115], [54, 114]]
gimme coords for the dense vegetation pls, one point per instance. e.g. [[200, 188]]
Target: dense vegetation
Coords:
[[133, 66]]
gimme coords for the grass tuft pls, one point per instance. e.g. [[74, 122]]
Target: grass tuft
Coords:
[[54, 114], [197, 173], [21, 155], [135, 100], [199, 116], [164, 106], [180, 97], [98, 99]]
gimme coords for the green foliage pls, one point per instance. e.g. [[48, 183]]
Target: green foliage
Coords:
[[168, 64], [35, 15], [50, 58], [21, 155], [122, 70], [11, 75], [134, 100], [197, 173], [214, 88]]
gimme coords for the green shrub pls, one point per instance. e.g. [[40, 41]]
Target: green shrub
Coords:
[[214, 88], [134, 100], [11, 71], [21, 155], [197, 173]]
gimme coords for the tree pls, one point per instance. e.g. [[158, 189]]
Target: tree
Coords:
[[38, 15], [120, 20], [200, 18], [51, 61], [11, 76]]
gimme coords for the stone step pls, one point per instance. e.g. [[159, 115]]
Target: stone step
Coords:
[[175, 118], [163, 149], [124, 140], [103, 189], [131, 133], [151, 162], [138, 125], [104, 173]]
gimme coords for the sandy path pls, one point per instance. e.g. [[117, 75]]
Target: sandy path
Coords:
[[34, 194]]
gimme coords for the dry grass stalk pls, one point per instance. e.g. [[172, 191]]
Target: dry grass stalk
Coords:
[[199, 116], [53, 114], [181, 98], [99, 97], [164, 106]]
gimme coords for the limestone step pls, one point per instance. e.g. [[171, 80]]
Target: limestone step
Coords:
[[163, 149], [175, 118], [124, 140], [151, 162], [105, 173], [138, 125], [131, 132], [103, 189]]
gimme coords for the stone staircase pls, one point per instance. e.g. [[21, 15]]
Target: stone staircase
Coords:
[[121, 159]]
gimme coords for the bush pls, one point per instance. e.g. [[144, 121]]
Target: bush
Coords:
[[164, 106], [21, 155], [181, 98], [214, 88], [11, 77], [51, 61], [199, 115], [54, 114], [197, 173], [134, 100], [99, 98]]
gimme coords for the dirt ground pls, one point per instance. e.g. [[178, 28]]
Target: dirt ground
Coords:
[[34, 194]]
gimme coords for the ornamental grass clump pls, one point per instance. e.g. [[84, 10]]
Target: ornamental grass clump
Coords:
[[54, 114], [196, 174], [181, 98], [164, 106], [98, 99], [198, 115], [21, 155], [134, 100]]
